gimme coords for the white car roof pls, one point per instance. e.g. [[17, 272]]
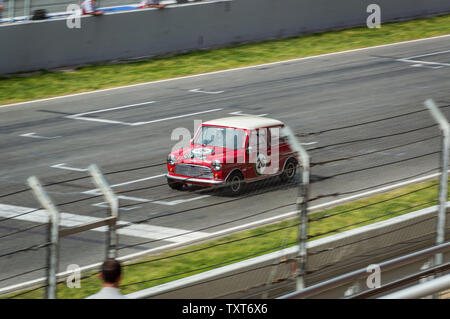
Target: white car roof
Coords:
[[244, 122]]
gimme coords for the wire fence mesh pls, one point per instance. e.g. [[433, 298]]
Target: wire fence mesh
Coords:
[[416, 157]]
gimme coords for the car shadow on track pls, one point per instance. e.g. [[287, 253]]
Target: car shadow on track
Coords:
[[271, 184]]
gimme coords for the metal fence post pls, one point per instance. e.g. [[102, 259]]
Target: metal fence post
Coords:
[[113, 201], [53, 235], [302, 208], [11, 9], [26, 9], [443, 191]]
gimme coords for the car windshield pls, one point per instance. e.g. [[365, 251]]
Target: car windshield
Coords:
[[221, 136]]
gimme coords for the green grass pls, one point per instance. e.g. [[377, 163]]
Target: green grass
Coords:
[[157, 270], [47, 84]]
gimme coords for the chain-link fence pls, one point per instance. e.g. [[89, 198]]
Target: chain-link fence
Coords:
[[214, 246]]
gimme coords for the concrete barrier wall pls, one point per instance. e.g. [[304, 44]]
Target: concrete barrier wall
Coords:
[[147, 32]]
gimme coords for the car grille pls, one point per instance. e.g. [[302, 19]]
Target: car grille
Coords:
[[194, 171]]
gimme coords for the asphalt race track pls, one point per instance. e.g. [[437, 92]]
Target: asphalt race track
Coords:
[[130, 128]]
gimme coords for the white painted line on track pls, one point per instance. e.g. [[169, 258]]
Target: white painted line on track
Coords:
[[139, 199], [110, 109], [309, 143], [424, 62], [148, 200], [63, 166], [206, 92], [182, 201], [96, 191], [138, 180], [33, 135], [133, 230], [428, 54], [105, 205], [244, 114], [100, 120], [81, 116], [230, 70], [421, 63], [176, 117]]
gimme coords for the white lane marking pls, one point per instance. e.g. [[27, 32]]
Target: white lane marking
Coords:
[[176, 117], [110, 109], [33, 135], [148, 200], [423, 62], [182, 201], [63, 166], [309, 143], [428, 54], [130, 229], [81, 116], [138, 180], [105, 205], [96, 191], [139, 199], [206, 92], [244, 114], [229, 70], [100, 120]]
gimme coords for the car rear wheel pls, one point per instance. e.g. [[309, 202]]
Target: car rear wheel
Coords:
[[289, 171], [174, 185], [235, 184]]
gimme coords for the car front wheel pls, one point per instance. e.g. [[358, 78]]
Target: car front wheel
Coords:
[[235, 184], [289, 171]]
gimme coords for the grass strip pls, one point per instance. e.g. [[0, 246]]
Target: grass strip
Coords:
[[156, 270], [24, 87]]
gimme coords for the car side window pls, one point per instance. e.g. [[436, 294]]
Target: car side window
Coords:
[[253, 140], [258, 140], [275, 136]]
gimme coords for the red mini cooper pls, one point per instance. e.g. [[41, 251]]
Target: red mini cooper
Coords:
[[232, 152]]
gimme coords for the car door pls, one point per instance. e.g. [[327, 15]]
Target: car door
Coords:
[[258, 153]]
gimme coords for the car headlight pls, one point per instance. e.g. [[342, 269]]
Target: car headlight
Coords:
[[171, 160], [216, 165]]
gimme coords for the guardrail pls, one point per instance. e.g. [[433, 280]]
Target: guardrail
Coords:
[[420, 276], [355, 276], [422, 290]]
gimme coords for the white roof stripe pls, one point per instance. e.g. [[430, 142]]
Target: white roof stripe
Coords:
[[244, 122]]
